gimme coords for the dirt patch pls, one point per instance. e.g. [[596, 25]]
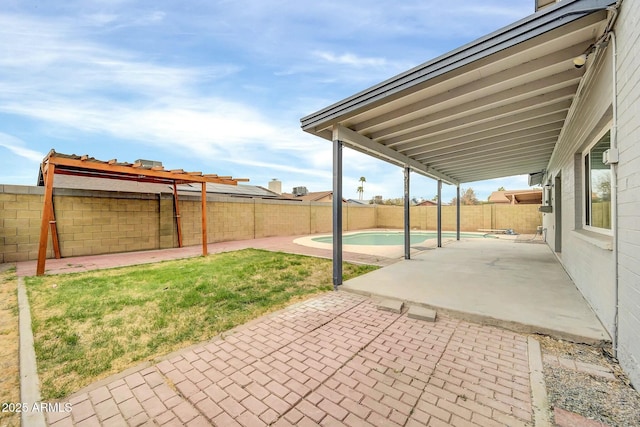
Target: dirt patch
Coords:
[[9, 360], [586, 380]]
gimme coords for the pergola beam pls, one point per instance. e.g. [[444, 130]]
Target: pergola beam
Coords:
[[177, 175]]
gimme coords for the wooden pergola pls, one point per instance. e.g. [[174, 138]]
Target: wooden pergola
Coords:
[[141, 171]]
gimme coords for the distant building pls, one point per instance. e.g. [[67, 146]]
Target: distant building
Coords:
[[517, 197], [357, 202], [275, 185], [301, 193]]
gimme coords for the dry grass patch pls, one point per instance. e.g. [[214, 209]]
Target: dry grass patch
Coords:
[[91, 325], [9, 359]]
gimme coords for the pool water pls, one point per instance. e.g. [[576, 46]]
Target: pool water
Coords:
[[391, 238]]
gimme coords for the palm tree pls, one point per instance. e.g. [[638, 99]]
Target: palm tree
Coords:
[[362, 180]]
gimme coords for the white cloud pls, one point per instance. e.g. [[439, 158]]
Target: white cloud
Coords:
[[17, 147], [350, 59], [279, 167], [93, 88]]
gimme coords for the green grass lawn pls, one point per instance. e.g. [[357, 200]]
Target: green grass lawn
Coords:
[[90, 325]]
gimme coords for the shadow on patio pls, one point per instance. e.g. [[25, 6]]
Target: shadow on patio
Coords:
[[519, 286]]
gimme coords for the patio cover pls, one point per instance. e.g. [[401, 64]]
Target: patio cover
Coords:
[[490, 109]]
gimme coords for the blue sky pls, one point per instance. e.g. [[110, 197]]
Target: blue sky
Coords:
[[218, 86]]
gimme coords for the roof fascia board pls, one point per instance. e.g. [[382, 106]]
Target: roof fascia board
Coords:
[[361, 143], [534, 25]]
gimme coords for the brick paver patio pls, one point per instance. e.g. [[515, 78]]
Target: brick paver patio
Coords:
[[331, 361]]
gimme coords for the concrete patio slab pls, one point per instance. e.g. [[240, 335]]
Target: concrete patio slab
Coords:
[[519, 286]]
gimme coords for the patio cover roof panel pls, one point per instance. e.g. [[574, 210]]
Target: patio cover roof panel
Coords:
[[518, 80]]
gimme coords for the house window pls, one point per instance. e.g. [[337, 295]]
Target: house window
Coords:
[[597, 181]]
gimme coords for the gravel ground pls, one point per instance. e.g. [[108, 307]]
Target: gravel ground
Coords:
[[611, 401]]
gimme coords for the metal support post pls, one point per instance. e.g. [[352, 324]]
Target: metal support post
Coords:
[[407, 218], [439, 213], [337, 213], [458, 212]]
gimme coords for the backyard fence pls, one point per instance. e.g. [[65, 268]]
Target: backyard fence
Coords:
[[99, 222]]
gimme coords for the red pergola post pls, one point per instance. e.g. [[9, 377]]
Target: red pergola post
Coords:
[[47, 210], [204, 218], [177, 211]]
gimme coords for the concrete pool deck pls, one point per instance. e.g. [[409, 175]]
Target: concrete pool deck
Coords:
[[492, 281]]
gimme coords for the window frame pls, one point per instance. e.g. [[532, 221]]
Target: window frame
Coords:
[[586, 185]]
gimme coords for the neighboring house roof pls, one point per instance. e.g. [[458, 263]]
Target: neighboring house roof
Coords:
[[311, 196], [234, 191], [314, 196], [427, 203], [514, 197], [104, 184]]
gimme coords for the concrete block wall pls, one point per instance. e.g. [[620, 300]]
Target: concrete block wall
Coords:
[[191, 220], [89, 225], [523, 219], [168, 235], [98, 222], [280, 218], [20, 217], [390, 216], [228, 220], [321, 218], [358, 217]]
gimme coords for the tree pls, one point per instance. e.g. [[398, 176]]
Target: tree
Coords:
[[398, 201], [502, 189], [603, 187], [468, 197], [362, 180]]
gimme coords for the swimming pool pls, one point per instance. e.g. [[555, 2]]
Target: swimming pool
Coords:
[[391, 238]]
